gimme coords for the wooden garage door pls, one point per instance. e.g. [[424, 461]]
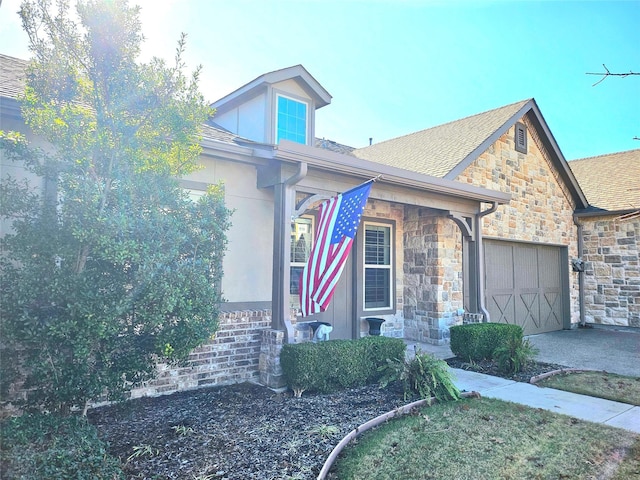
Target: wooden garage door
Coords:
[[523, 285]]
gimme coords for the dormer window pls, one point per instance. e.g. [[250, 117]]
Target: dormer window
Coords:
[[291, 120]]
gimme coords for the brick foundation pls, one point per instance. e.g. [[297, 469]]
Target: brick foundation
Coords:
[[232, 356]]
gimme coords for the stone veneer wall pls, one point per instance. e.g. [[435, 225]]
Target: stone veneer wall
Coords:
[[394, 323], [612, 270], [433, 275], [541, 208], [232, 356]]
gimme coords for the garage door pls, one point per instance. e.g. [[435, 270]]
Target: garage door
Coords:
[[524, 285]]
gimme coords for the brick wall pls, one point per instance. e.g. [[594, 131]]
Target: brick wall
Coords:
[[612, 271], [232, 356]]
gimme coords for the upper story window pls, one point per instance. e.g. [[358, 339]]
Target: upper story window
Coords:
[[291, 120]]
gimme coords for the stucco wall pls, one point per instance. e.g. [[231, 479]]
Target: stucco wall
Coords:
[[248, 260], [540, 210], [612, 270]]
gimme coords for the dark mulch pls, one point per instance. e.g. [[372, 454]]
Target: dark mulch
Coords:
[[236, 432], [244, 431], [489, 367]]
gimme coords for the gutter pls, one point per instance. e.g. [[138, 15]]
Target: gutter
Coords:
[[583, 321], [480, 260], [347, 164]]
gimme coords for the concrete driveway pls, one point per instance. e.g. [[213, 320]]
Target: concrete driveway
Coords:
[[610, 349]]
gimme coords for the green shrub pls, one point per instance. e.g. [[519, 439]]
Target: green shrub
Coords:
[[337, 364], [477, 341], [514, 354], [424, 376], [55, 448]]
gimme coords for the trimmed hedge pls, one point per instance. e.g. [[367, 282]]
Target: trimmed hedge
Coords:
[[337, 364], [478, 341]]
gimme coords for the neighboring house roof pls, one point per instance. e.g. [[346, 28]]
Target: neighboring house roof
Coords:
[[610, 182], [445, 151], [320, 96]]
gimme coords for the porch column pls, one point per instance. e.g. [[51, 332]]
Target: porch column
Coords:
[[284, 196], [284, 193]]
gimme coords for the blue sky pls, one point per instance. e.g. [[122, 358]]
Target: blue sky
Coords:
[[395, 67]]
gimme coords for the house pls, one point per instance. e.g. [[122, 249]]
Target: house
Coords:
[[477, 216], [610, 237]]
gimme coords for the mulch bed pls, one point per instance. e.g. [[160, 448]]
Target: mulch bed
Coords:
[[488, 367], [245, 431]]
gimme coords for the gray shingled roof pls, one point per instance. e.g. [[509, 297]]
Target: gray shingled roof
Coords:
[[436, 151], [12, 75], [333, 146], [610, 182]]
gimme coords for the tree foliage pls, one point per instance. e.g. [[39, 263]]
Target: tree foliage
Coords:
[[110, 266]]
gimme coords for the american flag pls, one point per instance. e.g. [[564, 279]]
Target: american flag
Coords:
[[339, 218]]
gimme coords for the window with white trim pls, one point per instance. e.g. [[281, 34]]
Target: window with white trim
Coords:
[[291, 120], [378, 266], [301, 241]]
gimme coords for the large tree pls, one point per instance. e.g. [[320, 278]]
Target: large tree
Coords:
[[109, 266]]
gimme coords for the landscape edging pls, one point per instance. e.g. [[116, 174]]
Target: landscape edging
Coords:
[[374, 423], [542, 376]]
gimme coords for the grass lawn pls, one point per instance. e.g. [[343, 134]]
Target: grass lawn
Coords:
[[490, 439], [597, 384]]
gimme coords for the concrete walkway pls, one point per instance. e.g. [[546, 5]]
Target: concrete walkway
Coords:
[[613, 351], [615, 414]]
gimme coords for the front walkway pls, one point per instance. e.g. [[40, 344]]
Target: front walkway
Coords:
[[598, 410]]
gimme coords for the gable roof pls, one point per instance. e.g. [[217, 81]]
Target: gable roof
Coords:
[[446, 150], [320, 96], [438, 150], [610, 182]]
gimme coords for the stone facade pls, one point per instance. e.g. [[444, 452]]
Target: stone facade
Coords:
[[541, 208], [433, 275], [612, 270], [393, 325]]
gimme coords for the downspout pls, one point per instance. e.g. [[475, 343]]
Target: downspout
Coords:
[[480, 260], [284, 201], [583, 320]]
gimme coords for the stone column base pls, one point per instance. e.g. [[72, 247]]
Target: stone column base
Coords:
[[270, 369]]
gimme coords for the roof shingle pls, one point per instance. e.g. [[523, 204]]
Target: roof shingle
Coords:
[[437, 150], [610, 182]]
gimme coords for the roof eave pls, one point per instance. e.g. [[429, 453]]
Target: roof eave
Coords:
[[320, 96], [347, 164], [549, 142]]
